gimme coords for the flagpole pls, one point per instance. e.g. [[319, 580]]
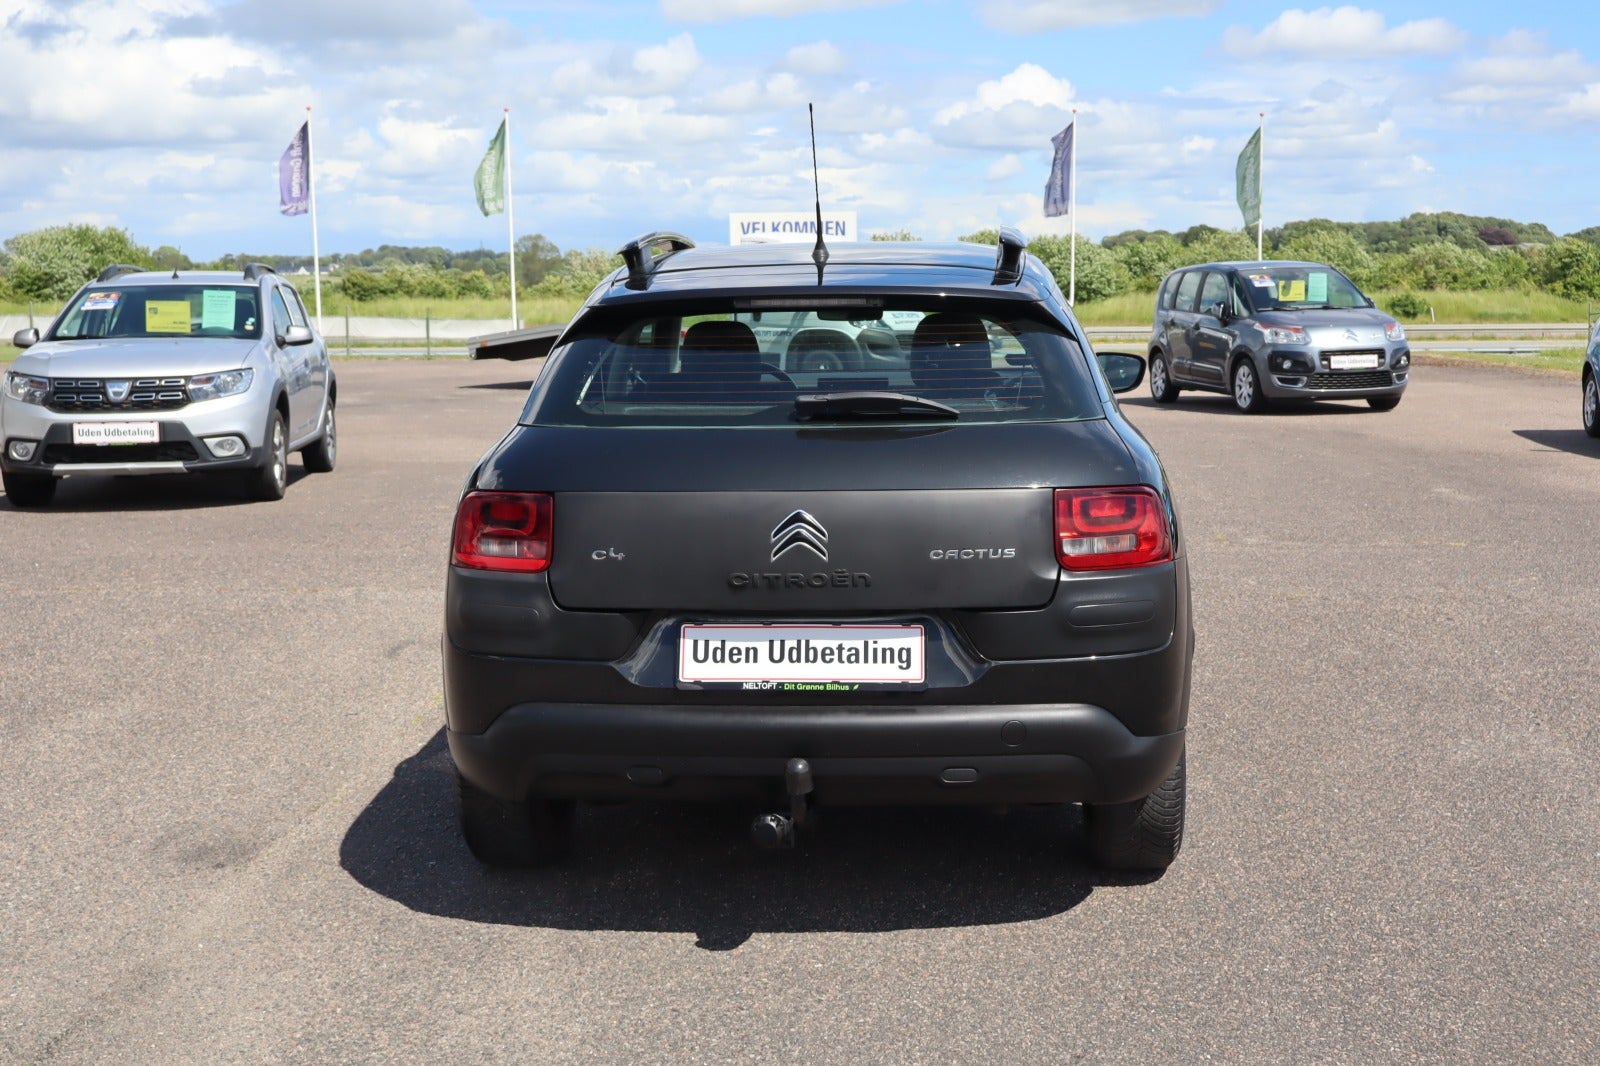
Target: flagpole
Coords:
[[1261, 182], [1072, 212], [511, 229], [311, 193]]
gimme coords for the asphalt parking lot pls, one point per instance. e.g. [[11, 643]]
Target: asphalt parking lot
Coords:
[[228, 825]]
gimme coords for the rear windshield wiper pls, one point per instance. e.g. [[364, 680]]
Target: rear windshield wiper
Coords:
[[815, 405]]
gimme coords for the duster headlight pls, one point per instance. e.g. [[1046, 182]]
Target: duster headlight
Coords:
[[216, 386], [27, 388]]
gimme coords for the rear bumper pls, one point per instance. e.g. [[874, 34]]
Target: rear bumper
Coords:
[[865, 754], [1035, 706]]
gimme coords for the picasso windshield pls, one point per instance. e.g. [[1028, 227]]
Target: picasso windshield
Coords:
[[1292, 288], [162, 311]]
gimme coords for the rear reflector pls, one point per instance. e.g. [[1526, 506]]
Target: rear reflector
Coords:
[[1111, 529], [503, 531]]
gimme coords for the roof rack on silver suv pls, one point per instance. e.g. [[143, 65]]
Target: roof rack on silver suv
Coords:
[[255, 270], [116, 270], [643, 257]]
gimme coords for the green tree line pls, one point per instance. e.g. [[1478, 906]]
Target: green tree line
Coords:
[[1422, 252]]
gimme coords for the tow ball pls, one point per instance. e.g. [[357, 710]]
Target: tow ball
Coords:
[[777, 830]]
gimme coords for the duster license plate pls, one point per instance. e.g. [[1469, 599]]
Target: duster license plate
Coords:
[[116, 433], [801, 656]]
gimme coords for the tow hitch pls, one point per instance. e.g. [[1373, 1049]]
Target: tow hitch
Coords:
[[777, 830]]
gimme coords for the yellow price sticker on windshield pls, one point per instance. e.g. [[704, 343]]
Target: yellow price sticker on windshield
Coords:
[[1292, 290], [166, 316]]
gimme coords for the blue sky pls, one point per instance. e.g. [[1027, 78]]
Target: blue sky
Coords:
[[167, 117]]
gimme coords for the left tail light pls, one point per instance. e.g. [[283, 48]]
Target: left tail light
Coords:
[[1111, 528], [503, 531]]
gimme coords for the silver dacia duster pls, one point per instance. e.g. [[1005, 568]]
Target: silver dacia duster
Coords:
[[158, 373]]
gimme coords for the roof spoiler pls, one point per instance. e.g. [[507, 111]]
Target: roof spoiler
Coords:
[[254, 270], [117, 270], [643, 257], [1008, 260]]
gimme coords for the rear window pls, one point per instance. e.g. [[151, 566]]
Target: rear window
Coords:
[[721, 366]]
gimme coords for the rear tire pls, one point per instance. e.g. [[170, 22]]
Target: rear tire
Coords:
[[1162, 390], [510, 834], [1591, 404], [1247, 394], [1383, 403], [1144, 834], [29, 490], [320, 454]]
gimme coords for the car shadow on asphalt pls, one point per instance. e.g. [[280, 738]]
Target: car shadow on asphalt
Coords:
[[518, 385], [87, 493], [1575, 441], [658, 867]]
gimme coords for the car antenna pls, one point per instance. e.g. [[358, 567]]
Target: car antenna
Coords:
[[819, 254]]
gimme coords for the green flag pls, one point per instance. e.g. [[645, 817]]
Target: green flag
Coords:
[[1247, 175], [490, 180]]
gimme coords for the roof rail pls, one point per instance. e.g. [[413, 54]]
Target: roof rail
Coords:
[[117, 270], [253, 271], [642, 256], [1008, 260]]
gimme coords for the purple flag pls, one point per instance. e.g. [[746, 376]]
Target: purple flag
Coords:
[[1058, 191], [294, 173]]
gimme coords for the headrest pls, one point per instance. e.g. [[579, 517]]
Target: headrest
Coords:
[[951, 340], [722, 335]]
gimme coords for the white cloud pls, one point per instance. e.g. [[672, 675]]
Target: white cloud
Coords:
[[820, 57], [1521, 72], [1028, 84], [728, 10], [1018, 112], [1007, 166], [1344, 32], [621, 124], [1038, 16], [73, 83], [1584, 104], [672, 63], [619, 71], [415, 146]]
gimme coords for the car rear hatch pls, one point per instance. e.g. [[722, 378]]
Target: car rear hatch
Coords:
[[812, 523]]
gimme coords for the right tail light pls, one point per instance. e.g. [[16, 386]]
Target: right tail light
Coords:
[[1111, 528]]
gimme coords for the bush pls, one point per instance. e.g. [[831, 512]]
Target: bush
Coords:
[[50, 264], [1218, 246], [1335, 247], [1436, 265], [1148, 260], [1099, 275], [1570, 268], [1406, 305]]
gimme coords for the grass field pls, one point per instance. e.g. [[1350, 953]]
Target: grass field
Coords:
[[1129, 309], [1567, 361]]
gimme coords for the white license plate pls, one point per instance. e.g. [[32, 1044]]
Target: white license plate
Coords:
[[798, 654], [1368, 361], [116, 433]]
